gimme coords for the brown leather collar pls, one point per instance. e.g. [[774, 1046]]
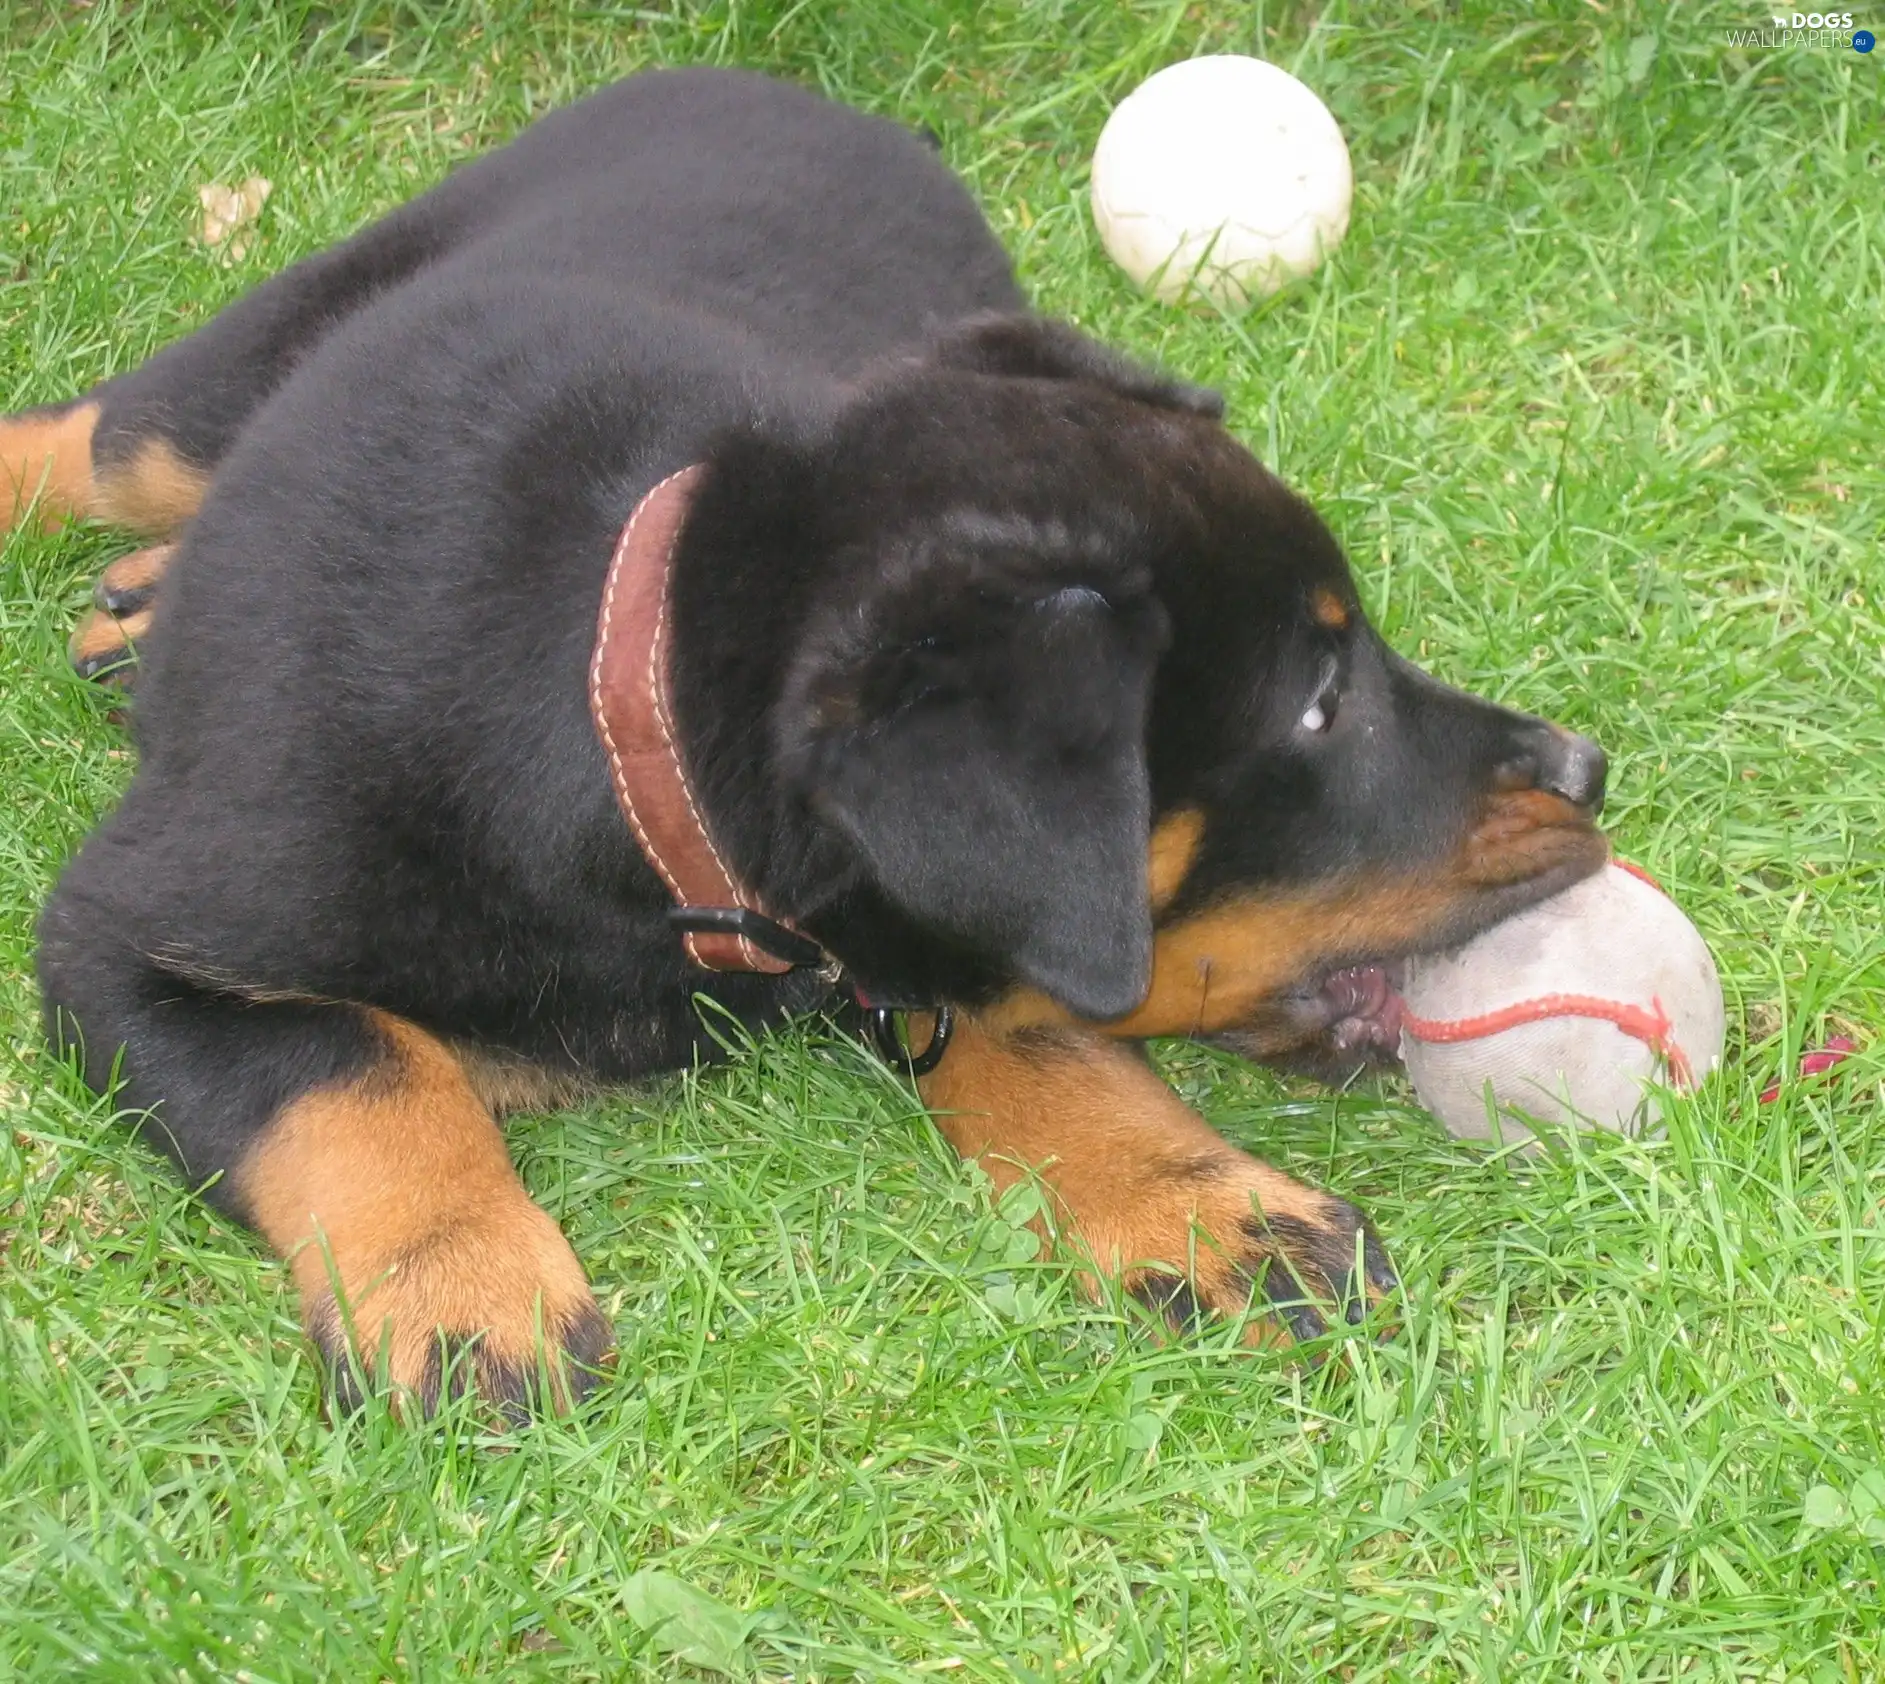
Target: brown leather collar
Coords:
[[628, 697]]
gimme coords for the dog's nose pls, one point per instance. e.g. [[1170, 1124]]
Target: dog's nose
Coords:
[[1573, 767], [1561, 763]]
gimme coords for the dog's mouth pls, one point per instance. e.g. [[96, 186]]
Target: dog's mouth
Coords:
[[1344, 1014], [1352, 1013], [1361, 1006], [1332, 1026]]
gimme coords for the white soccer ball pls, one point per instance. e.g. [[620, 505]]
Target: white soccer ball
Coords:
[[1573, 1012], [1221, 176]]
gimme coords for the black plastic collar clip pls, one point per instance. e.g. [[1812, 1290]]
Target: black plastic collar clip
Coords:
[[755, 927]]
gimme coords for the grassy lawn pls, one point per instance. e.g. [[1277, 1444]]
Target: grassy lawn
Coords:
[[1593, 395]]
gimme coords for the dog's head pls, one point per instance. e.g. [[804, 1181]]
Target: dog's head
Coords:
[[1085, 710]]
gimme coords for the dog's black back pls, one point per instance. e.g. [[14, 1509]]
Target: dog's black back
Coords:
[[438, 481], [803, 226]]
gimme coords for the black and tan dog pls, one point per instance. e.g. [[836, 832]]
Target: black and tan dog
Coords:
[[986, 671]]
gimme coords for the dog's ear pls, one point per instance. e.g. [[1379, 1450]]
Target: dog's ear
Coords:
[[1035, 348], [977, 732]]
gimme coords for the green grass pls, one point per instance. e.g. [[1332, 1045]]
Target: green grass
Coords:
[[1593, 394]]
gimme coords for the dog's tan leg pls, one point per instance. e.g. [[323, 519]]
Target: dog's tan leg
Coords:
[[51, 472], [1142, 1186], [46, 465], [104, 644], [149, 489]]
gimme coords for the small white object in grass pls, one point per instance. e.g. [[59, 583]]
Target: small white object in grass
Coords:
[[1567, 1012], [1221, 175]]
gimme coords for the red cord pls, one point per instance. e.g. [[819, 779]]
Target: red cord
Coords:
[[1650, 1025]]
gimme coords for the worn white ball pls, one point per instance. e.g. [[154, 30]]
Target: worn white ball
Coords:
[[1221, 176], [1569, 1013]]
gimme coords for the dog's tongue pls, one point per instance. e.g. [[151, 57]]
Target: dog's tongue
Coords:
[[1366, 1008]]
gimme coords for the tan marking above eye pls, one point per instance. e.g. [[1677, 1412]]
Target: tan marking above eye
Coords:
[[1328, 609]]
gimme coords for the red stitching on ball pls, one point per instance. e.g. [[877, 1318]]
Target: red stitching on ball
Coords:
[[1648, 1024]]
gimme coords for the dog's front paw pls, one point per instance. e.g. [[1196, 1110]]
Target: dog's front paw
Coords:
[[493, 1301], [1239, 1236], [1142, 1188]]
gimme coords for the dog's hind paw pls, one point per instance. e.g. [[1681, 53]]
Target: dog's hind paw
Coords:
[[103, 648]]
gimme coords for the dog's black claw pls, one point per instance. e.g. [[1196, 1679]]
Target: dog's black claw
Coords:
[[1304, 1321], [122, 600], [1172, 1297], [1309, 1269], [455, 1364], [111, 666], [1378, 1271]]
